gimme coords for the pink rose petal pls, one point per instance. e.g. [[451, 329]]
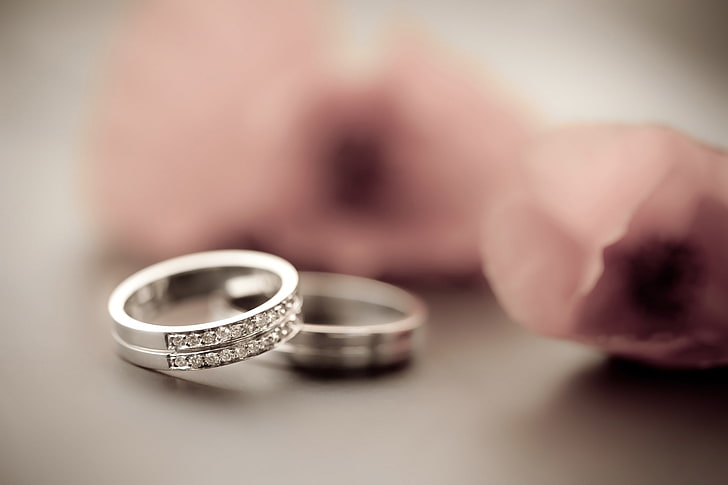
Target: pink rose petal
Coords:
[[199, 106], [236, 130], [397, 182], [617, 237]]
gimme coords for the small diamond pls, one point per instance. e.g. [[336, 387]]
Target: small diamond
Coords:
[[192, 340], [212, 358], [208, 338], [177, 340], [196, 362], [236, 331], [249, 326], [275, 337], [224, 334], [241, 352], [180, 361], [259, 321], [280, 309], [269, 341], [252, 348], [227, 355]]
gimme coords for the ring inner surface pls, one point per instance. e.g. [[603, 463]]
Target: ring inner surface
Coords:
[[191, 297], [326, 310]]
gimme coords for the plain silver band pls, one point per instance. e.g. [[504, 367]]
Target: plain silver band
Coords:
[[259, 329], [351, 345]]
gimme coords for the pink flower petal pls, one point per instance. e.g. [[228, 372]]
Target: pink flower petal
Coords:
[[632, 258], [246, 136], [196, 111], [428, 144]]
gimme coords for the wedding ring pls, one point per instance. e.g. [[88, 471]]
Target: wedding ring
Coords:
[[351, 323], [142, 304]]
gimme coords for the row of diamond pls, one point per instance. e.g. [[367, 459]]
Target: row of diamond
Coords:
[[235, 353], [244, 328]]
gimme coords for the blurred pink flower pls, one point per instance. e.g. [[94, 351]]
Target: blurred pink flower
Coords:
[[202, 107], [395, 179], [229, 126], [617, 237]]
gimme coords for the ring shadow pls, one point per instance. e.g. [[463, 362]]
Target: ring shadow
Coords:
[[252, 380]]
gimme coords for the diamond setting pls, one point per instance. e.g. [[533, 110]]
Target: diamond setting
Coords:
[[236, 331], [237, 341], [212, 359], [196, 361], [224, 333], [177, 340], [246, 328], [227, 355], [241, 350], [208, 338]]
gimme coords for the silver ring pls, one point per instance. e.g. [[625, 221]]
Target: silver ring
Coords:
[[351, 324], [267, 282]]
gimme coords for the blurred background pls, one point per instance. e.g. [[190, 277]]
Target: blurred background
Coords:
[[486, 403]]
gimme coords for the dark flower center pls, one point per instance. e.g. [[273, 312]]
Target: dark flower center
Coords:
[[357, 172], [662, 278]]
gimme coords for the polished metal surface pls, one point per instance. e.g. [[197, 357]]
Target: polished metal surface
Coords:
[[352, 323], [137, 302]]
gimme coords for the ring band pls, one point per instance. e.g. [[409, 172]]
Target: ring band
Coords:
[[352, 323], [268, 282]]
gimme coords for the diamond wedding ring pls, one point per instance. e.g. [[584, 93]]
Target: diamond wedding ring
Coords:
[[139, 304]]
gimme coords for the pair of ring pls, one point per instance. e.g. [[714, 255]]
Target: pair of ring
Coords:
[[260, 303]]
